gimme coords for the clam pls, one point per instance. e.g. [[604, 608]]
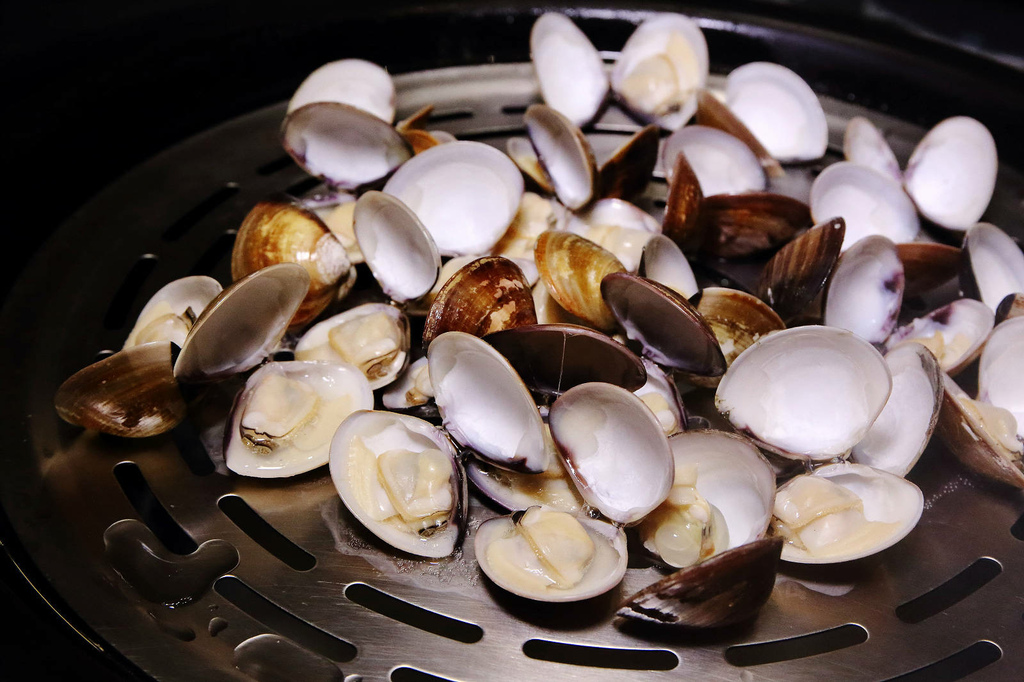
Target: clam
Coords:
[[374, 337], [275, 232], [132, 393], [412, 389], [661, 68], [627, 172], [522, 153], [569, 68], [614, 449], [866, 290], [903, 429], [171, 311], [743, 225], [780, 109], [955, 333], [552, 556], [711, 112], [726, 589], [737, 319], [952, 173], [868, 201], [865, 145], [464, 193], [572, 268], [682, 224], [619, 227], [549, 311], [843, 512], [451, 266], [806, 393], [1001, 370], [993, 265], [723, 164], [344, 146], [660, 395], [340, 220], [564, 153], [926, 265], [664, 262], [484, 404], [401, 478], [797, 273], [283, 420], [355, 82], [240, 327]]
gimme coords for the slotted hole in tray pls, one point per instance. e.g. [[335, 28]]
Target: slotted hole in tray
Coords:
[[123, 299], [801, 646], [275, 166], [515, 109], [1017, 530], [411, 614], [282, 621], [264, 534], [599, 656], [956, 589], [180, 227], [407, 674], [153, 513], [451, 115], [955, 667], [216, 252]]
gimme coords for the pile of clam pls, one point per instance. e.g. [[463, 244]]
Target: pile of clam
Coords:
[[532, 346]]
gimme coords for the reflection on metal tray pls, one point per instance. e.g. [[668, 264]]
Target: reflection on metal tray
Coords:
[[949, 593]]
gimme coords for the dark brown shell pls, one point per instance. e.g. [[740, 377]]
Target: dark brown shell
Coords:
[[626, 174], [796, 275], [741, 225], [1011, 306], [726, 589], [926, 265], [277, 232], [572, 268], [670, 330], [552, 358], [485, 296], [132, 393], [681, 222], [714, 114]]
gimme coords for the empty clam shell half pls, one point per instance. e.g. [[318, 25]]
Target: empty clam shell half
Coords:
[[866, 290], [780, 109], [551, 556], [806, 393], [664, 262], [868, 201], [355, 82], [564, 153], [568, 66], [993, 267], [344, 146], [243, 324], [864, 145], [401, 478], [1001, 370], [572, 268], [399, 250], [723, 164], [662, 66], [465, 193], [955, 333], [899, 435], [283, 421], [843, 512], [171, 311], [952, 173], [797, 273], [484, 404], [614, 449]]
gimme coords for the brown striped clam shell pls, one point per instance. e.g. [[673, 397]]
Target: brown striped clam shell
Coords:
[[797, 273], [572, 268]]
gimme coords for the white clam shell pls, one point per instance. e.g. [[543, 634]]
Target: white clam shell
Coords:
[[340, 387], [564, 153], [397, 248], [806, 393], [175, 298], [672, 416], [355, 82], [867, 200], [722, 163], [465, 194], [1001, 370], [964, 325], [569, 68], [997, 263], [866, 290], [665, 263], [952, 173], [780, 109], [865, 145]]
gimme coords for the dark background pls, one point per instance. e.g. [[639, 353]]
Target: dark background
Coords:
[[92, 88]]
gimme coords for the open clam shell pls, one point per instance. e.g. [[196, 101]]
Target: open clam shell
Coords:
[[660, 395], [572, 268], [723, 163], [780, 109], [614, 449], [283, 420], [806, 393], [564, 153], [465, 194], [866, 290], [952, 173], [713, 113], [344, 146], [864, 145], [797, 273], [869, 512], [743, 225], [926, 265], [569, 68], [627, 172], [412, 388], [355, 82], [1001, 370], [955, 333], [171, 311], [401, 478], [522, 153], [551, 556], [484, 404], [993, 265], [738, 319], [903, 429], [664, 262], [551, 489], [243, 324]]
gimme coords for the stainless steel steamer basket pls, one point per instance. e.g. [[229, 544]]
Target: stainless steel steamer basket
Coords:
[[949, 596]]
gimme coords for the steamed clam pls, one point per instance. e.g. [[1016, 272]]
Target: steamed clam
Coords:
[[170, 313]]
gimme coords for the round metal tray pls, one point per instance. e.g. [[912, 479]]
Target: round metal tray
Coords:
[[323, 593]]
